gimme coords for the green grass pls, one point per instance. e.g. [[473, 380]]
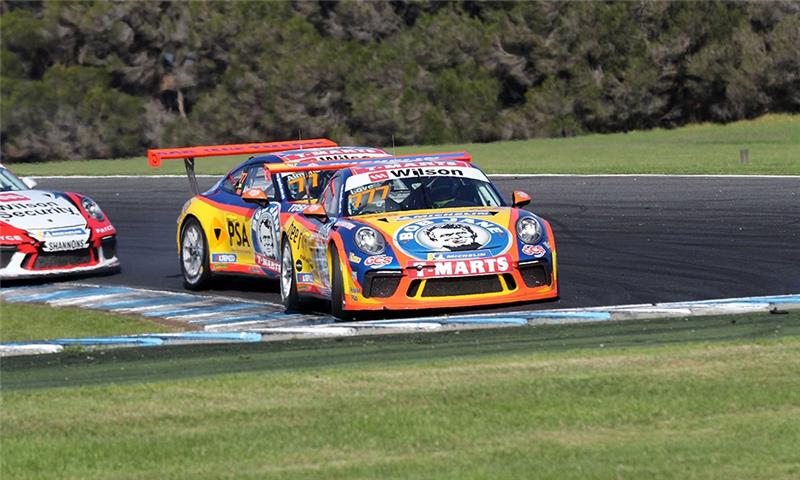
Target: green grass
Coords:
[[773, 142], [40, 322], [713, 397]]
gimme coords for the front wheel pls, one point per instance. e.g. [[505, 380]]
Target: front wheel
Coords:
[[289, 296], [194, 256]]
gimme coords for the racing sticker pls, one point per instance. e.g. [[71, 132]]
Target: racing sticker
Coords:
[[13, 197], [334, 154], [453, 238], [457, 268], [377, 261], [264, 232], [63, 245], [223, 258], [422, 169], [537, 251]]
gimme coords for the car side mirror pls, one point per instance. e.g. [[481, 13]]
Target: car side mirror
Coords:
[[520, 198], [316, 211], [255, 195], [29, 182]]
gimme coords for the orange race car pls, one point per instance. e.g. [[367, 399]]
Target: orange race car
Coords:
[[420, 231]]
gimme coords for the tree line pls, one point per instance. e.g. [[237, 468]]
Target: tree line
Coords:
[[100, 79]]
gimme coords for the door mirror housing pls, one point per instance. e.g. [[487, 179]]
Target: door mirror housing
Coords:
[[316, 211], [255, 195], [29, 182], [520, 199]]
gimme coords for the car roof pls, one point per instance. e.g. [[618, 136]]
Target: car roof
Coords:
[[320, 155]]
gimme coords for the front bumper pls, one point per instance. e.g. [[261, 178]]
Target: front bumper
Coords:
[[400, 290], [23, 263]]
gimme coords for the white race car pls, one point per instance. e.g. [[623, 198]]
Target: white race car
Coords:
[[46, 233]]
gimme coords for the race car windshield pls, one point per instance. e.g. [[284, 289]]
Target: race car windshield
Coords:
[[10, 182], [420, 193], [294, 184]]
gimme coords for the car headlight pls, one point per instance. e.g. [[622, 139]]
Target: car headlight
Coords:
[[92, 209], [370, 241], [529, 230]]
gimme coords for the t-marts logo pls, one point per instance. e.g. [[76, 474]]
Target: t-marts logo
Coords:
[[452, 234]]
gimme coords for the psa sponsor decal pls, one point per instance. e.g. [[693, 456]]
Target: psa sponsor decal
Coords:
[[13, 197], [534, 250], [456, 268], [223, 257], [452, 234], [237, 234], [376, 261]]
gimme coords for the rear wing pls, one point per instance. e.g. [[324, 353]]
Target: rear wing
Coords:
[[188, 154]]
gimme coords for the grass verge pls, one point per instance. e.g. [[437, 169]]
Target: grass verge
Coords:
[[773, 143], [23, 322], [712, 397]]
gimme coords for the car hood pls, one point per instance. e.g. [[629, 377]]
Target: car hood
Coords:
[[44, 215], [449, 233]]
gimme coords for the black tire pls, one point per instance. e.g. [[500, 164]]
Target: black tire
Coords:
[[337, 289], [193, 256], [288, 283]]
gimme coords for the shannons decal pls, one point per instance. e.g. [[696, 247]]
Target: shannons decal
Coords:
[[63, 245], [456, 268], [470, 237]]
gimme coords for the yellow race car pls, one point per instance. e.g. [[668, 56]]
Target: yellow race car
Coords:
[[235, 226]]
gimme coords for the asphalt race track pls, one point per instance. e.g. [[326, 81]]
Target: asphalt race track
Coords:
[[621, 239]]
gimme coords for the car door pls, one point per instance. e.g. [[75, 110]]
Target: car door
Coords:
[[264, 222], [321, 235]]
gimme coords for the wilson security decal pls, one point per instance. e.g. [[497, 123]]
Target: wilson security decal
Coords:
[[416, 170]]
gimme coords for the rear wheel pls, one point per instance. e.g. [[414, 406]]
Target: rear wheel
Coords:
[[289, 296], [194, 256], [337, 289]]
